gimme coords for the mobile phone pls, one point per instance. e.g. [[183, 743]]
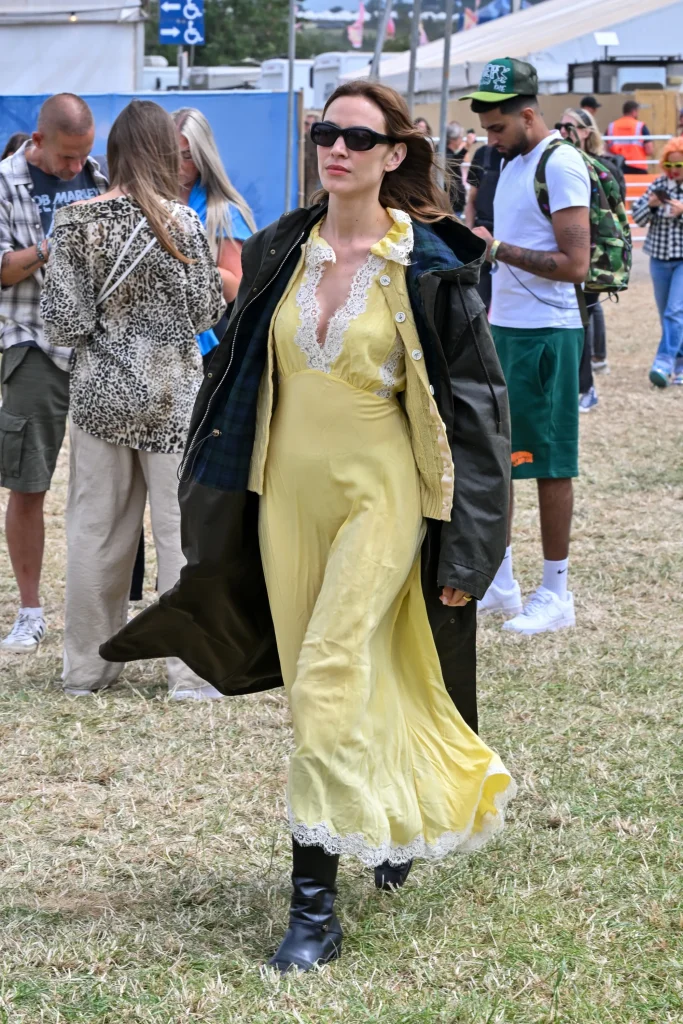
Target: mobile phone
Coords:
[[662, 195]]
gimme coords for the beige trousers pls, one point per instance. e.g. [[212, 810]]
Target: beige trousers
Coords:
[[108, 487]]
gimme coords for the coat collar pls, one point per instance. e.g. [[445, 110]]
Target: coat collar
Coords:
[[447, 248]]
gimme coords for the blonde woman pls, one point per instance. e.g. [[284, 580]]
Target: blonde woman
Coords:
[[581, 128], [206, 188], [129, 284]]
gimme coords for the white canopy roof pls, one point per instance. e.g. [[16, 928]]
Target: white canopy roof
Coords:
[[521, 34]]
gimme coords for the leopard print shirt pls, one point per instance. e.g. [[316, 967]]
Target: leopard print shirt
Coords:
[[136, 366]]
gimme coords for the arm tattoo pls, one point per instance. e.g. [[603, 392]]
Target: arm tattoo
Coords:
[[541, 263], [31, 263], [575, 236]]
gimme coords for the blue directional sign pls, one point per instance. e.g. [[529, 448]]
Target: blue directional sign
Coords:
[[181, 22]]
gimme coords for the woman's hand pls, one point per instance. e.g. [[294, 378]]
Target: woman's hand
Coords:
[[454, 598], [676, 207], [654, 201]]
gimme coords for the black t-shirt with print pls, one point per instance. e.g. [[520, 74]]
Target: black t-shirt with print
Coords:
[[51, 193]]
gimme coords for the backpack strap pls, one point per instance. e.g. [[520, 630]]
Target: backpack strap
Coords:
[[540, 177], [541, 189], [108, 288]]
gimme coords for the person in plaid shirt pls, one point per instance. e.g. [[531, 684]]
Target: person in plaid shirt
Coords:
[[660, 209], [51, 170]]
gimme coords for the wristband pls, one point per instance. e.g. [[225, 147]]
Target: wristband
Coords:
[[494, 249], [40, 255]]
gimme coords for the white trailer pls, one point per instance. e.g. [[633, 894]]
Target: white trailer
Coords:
[[274, 77], [328, 69], [227, 76]]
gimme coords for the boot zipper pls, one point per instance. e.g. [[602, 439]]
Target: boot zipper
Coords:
[[194, 445]]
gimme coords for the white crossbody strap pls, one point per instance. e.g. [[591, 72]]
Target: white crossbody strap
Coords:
[[108, 288]]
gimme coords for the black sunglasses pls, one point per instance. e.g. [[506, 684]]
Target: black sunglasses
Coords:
[[359, 140]]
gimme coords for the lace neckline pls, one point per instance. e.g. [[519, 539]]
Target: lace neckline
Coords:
[[396, 246]]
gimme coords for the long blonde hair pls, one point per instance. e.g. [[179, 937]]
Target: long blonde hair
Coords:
[[144, 161], [584, 119], [220, 191]]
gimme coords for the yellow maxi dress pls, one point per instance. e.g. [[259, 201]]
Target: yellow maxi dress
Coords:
[[384, 767]]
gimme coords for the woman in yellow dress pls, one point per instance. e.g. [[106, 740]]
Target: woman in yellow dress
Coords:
[[379, 444]]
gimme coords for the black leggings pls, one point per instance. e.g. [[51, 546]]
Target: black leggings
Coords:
[[586, 364]]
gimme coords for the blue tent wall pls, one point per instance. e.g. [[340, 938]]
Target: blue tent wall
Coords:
[[250, 129]]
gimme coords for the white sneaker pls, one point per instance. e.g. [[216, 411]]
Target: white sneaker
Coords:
[[498, 600], [26, 633], [205, 692], [544, 612]]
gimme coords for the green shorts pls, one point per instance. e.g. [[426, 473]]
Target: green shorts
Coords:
[[541, 367], [35, 403]]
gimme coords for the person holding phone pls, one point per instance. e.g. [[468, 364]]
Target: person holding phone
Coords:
[[660, 209]]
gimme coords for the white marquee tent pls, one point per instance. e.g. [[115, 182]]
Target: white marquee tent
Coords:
[[555, 33]]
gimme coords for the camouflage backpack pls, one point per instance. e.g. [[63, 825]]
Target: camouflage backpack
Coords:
[[611, 246]]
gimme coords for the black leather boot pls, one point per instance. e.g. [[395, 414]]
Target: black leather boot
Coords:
[[314, 936], [390, 878]]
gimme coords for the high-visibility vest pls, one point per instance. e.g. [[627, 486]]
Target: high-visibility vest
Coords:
[[632, 152]]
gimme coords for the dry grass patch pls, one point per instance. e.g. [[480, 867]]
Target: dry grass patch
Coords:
[[145, 854]]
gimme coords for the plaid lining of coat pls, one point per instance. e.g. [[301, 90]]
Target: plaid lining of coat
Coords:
[[222, 460]]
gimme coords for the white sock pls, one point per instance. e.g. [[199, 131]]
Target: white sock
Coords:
[[504, 578], [33, 613], [555, 577]]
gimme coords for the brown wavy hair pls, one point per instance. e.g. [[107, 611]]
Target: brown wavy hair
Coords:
[[413, 186], [144, 161]]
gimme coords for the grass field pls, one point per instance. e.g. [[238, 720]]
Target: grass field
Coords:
[[144, 850]]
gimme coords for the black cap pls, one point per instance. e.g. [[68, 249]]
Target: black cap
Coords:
[[590, 101]]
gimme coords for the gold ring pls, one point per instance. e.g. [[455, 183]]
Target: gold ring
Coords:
[[467, 598]]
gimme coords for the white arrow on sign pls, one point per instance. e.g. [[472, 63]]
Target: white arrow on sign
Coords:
[[167, 7], [169, 32]]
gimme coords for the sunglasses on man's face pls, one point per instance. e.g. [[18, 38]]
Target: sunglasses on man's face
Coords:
[[359, 140], [667, 165]]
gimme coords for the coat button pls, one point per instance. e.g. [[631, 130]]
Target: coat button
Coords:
[[215, 432], [400, 318], [385, 280], [416, 354], [431, 389], [209, 375], [272, 252]]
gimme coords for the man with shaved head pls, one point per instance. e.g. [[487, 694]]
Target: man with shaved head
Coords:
[[51, 170]]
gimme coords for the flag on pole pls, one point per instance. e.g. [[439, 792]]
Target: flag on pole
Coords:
[[470, 19], [424, 38], [355, 31]]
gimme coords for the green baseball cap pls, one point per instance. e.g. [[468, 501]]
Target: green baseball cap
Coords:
[[504, 78]]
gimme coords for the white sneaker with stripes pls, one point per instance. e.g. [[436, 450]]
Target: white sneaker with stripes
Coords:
[[27, 632]]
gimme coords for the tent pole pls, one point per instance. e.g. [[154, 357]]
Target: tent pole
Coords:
[[445, 81], [290, 106], [381, 36], [414, 40]]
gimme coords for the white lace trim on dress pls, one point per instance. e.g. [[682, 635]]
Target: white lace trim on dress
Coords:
[[397, 249], [322, 357], [389, 371], [450, 842]]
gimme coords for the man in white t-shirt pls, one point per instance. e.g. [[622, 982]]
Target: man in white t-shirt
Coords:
[[540, 252]]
